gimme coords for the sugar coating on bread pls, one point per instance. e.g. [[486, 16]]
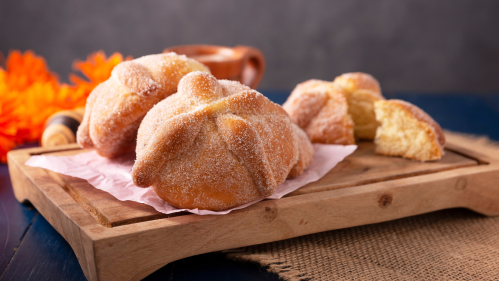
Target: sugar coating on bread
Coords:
[[306, 152], [116, 107], [362, 91], [215, 144], [354, 81], [321, 110], [407, 131]]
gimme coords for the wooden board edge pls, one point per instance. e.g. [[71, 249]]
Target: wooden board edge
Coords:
[[470, 152], [42, 150], [60, 211]]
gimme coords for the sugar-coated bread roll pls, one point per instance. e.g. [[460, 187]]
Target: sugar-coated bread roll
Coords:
[[407, 131], [361, 91], [217, 144], [116, 107], [321, 110]]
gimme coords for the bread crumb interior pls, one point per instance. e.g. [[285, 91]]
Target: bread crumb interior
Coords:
[[400, 134]]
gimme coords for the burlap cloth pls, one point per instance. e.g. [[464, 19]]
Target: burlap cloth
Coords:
[[454, 244]]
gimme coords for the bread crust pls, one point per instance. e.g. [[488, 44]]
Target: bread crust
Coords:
[[354, 81], [216, 144], [321, 110], [116, 107]]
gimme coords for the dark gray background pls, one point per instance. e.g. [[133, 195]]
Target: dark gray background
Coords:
[[413, 45]]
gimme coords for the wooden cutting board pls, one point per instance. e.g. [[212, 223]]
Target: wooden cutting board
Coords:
[[117, 240]]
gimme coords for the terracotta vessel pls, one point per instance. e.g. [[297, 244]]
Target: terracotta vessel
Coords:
[[241, 63]]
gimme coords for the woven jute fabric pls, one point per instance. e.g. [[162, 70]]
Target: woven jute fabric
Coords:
[[455, 244]]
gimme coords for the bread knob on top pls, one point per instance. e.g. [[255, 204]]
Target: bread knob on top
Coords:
[[216, 144], [116, 107]]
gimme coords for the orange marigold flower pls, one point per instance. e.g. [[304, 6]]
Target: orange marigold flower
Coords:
[[24, 70], [30, 93]]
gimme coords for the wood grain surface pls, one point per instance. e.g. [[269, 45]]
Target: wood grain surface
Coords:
[[365, 167]]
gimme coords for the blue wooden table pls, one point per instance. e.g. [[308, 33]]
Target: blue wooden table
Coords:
[[30, 249]]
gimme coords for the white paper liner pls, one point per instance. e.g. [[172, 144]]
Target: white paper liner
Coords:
[[114, 175]]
